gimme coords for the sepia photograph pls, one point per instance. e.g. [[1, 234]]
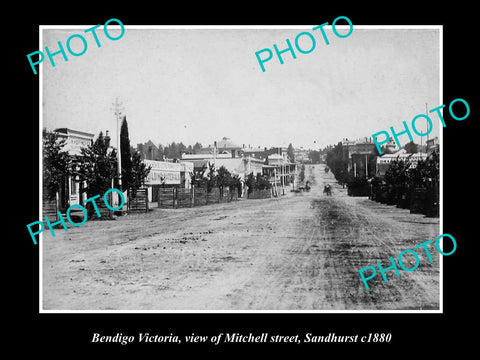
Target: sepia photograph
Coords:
[[235, 168]]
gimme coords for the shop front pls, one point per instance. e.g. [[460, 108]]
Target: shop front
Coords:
[[162, 174], [71, 190]]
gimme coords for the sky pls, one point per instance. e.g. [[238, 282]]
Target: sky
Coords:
[[197, 84]]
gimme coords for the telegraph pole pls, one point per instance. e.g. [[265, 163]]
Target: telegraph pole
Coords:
[[117, 110], [366, 166], [421, 137], [426, 113]]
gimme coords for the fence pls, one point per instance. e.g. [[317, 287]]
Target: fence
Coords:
[[49, 208], [181, 198], [205, 197], [105, 212], [259, 194], [137, 201], [166, 197]]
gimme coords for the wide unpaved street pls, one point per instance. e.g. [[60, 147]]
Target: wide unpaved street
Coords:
[[298, 252]]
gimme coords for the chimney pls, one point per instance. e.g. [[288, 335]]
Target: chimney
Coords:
[[107, 139]]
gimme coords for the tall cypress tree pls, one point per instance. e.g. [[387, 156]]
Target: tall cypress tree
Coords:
[[291, 153], [125, 155]]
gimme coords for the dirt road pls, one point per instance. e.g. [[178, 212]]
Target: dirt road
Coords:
[[298, 252]]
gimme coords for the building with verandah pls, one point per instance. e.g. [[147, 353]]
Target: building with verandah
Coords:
[[70, 191]]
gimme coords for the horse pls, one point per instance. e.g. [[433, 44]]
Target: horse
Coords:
[[327, 190]]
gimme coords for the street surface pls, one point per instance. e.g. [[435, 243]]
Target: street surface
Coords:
[[297, 252]]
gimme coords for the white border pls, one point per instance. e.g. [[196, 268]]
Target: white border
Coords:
[[238, 27]]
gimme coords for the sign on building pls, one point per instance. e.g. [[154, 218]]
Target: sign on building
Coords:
[[162, 172]]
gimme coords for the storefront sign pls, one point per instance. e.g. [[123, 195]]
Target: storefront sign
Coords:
[[162, 172]]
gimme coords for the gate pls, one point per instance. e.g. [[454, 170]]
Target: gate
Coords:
[[138, 201]]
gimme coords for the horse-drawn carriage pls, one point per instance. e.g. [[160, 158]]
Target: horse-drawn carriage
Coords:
[[307, 186], [303, 188], [327, 190]]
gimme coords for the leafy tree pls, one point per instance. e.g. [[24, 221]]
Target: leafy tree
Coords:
[[291, 153], [166, 151], [397, 172], [432, 166], [205, 177], [301, 174], [139, 172], [174, 150], [411, 148], [56, 163], [211, 179], [223, 177], [338, 164], [235, 182], [161, 152], [258, 182], [197, 147], [250, 182], [314, 156], [197, 177], [180, 150], [425, 172], [262, 182], [97, 167]]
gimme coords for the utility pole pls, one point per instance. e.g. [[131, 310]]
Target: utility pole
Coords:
[[426, 113], [117, 110], [282, 170], [275, 177], [215, 154], [366, 166]]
